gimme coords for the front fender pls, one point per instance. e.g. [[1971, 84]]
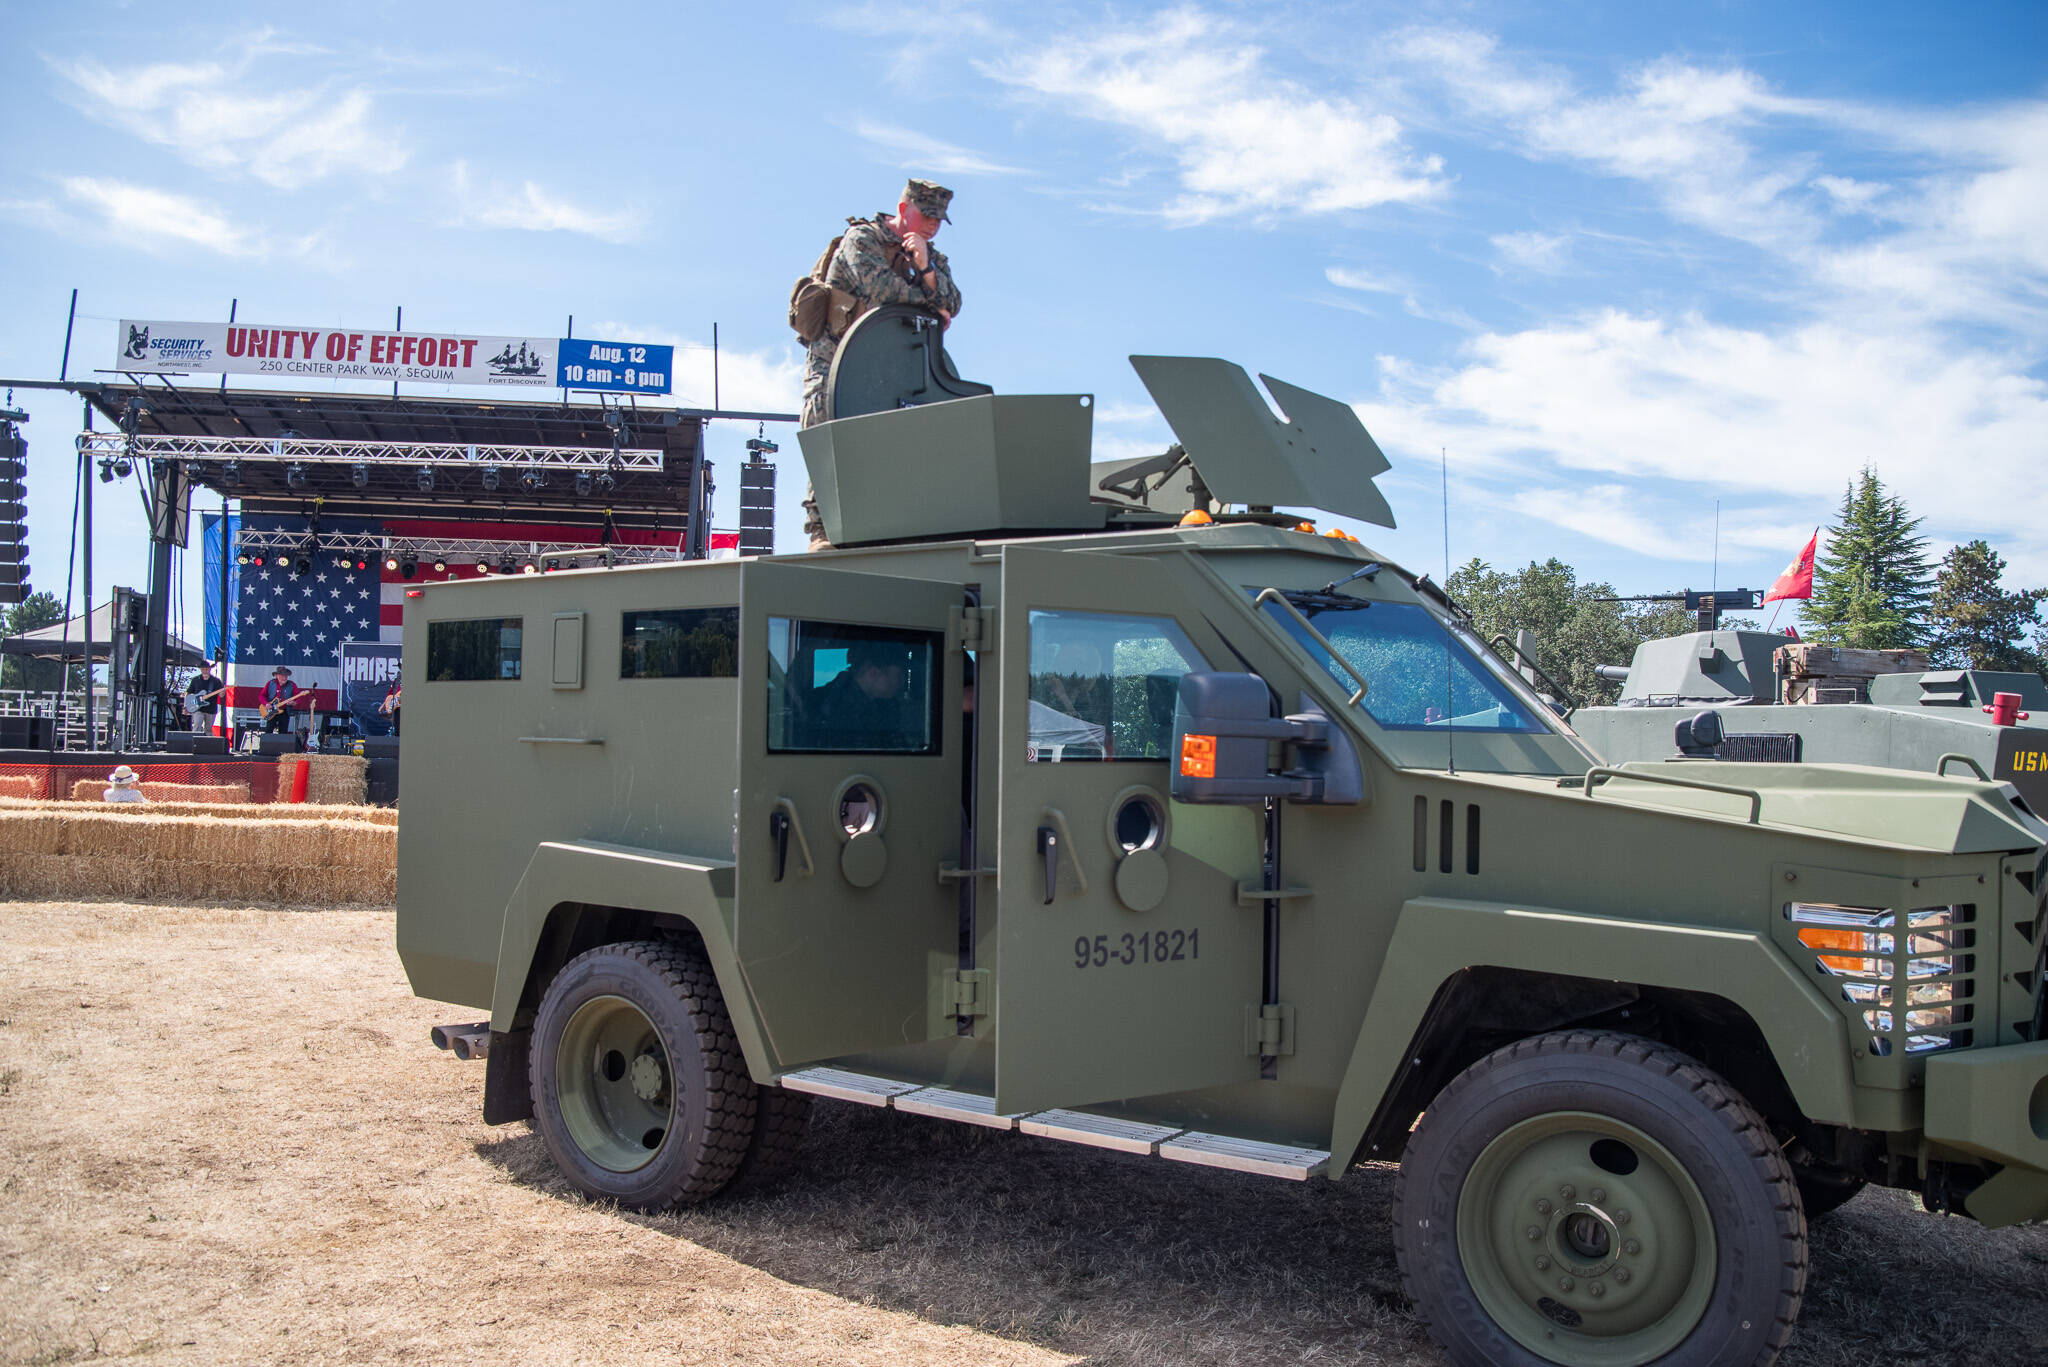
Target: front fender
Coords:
[[698, 891], [1434, 939]]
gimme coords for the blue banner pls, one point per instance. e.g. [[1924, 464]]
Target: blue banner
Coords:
[[621, 367]]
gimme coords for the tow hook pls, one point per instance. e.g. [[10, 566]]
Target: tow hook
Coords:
[[467, 1041]]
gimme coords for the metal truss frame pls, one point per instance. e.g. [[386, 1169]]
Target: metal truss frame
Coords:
[[454, 550], [411, 454]]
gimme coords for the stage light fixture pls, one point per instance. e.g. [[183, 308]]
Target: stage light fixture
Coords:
[[362, 564], [295, 475], [391, 562], [231, 472], [408, 567], [257, 561], [483, 567], [605, 482], [302, 563], [550, 565], [529, 568], [122, 467], [440, 567], [490, 479], [531, 480], [583, 483], [426, 478], [106, 471], [241, 557], [505, 566], [359, 475]]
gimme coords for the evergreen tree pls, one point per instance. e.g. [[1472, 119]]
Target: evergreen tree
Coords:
[[1977, 624], [1871, 584], [23, 671], [1576, 633]]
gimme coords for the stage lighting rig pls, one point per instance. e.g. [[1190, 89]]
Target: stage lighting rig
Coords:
[[531, 480], [359, 475], [490, 479], [583, 484], [408, 567], [426, 479], [295, 475], [231, 472]]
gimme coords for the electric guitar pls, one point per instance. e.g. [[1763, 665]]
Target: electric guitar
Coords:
[[391, 702], [277, 705], [194, 702]]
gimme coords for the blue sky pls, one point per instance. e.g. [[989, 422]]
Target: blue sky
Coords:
[[1617, 261]]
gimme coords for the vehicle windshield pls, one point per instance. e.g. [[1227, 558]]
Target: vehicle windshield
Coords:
[[1420, 676]]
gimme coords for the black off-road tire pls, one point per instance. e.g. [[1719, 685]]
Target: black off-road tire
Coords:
[[697, 1078], [780, 1119], [1699, 1162], [1824, 1189]]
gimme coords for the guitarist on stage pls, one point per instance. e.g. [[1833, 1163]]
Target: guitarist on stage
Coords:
[[279, 697], [202, 697]]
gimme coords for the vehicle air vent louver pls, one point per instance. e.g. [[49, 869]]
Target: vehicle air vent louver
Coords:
[[1913, 993]]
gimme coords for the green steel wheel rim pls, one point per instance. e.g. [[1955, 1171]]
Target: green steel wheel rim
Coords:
[[1586, 1241], [614, 1084]]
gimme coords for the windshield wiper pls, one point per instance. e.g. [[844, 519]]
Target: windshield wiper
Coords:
[[1365, 571]]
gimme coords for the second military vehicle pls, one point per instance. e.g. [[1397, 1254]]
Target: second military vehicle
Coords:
[[1107, 805], [1721, 693]]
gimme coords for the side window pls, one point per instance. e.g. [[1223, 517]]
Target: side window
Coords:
[[680, 643], [482, 648], [834, 686], [1103, 685]]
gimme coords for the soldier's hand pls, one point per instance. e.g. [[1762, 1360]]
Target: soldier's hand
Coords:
[[945, 319], [920, 253]]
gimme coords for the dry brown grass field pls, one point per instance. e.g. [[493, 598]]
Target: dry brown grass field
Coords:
[[224, 1138]]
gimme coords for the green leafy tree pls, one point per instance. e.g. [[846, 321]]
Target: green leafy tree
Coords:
[[22, 671], [1577, 633], [1871, 585], [1978, 624]]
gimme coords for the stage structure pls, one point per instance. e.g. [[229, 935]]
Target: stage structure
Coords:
[[332, 503]]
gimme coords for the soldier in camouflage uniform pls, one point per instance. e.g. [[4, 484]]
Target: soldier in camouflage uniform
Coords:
[[887, 259]]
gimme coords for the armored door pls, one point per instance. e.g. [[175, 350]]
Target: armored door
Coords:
[[849, 801], [1124, 963]]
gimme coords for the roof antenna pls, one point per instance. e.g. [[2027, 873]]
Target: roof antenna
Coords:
[[1450, 726], [1715, 581]]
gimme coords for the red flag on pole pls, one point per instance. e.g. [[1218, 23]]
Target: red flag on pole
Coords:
[[1797, 580]]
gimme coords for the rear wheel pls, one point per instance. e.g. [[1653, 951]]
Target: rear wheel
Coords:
[[639, 1090], [780, 1119], [1599, 1200]]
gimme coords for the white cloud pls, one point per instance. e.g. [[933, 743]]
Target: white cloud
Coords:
[[1793, 415], [1608, 512], [150, 219], [920, 153], [1542, 253], [533, 209], [1247, 140], [207, 113], [1351, 278]]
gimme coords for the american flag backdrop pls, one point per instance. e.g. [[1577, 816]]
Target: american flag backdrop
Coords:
[[303, 622]]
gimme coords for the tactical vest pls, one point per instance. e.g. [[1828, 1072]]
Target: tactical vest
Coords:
[[817, 309]]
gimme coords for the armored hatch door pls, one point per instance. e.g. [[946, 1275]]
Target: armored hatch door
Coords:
[[849, 801], [1124, 965]]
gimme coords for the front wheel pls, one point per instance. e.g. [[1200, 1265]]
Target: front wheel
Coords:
[[1594, 1199], [639, 1090]]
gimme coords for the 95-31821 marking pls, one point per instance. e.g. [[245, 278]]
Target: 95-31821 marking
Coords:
[[1137, 948]]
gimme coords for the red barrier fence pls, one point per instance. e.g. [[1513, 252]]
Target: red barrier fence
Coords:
[[219, 780]]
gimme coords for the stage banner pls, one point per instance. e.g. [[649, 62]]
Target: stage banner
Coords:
[[368, 669], [322, 353], [621, 367]]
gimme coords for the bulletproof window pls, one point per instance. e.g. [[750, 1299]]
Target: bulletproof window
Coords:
[[842, 687], [680, 643], [1103, 685], [481, 648]]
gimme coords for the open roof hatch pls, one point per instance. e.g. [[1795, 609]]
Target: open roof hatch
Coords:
[[1319, 456]]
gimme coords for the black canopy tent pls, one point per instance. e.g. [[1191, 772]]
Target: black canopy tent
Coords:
[[67, 641]]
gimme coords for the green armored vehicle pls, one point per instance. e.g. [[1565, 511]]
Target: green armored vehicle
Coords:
[[1990, 723], [1041, 805]]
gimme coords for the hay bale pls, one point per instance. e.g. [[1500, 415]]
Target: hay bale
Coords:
[[33, 832], [331, 780], [211, 794], [21, 785]]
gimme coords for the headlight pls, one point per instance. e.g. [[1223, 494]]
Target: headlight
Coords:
[[1862, 947]]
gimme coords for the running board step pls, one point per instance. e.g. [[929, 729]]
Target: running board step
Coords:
[[1074, 1127]]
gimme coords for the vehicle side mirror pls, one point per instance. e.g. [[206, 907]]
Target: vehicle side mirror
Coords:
[[1223, 733]]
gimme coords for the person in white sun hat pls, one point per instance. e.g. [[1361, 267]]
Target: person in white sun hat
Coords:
[[125, 789]]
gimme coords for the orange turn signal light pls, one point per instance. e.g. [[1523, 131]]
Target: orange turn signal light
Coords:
[[1308, 527], [1829, 937], [1196, 518], [1198, 756]]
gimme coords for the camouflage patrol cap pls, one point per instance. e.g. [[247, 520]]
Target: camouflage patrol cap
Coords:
[[928, 199]]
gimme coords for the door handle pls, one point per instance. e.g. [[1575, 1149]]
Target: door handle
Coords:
[[782, 825], [1053, 837]]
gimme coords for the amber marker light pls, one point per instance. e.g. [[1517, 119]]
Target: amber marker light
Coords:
[[1830, 937], [1196, 518], [1198, 756]]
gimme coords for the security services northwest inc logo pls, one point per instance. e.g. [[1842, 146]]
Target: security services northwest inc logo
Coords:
[[138, 343]]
